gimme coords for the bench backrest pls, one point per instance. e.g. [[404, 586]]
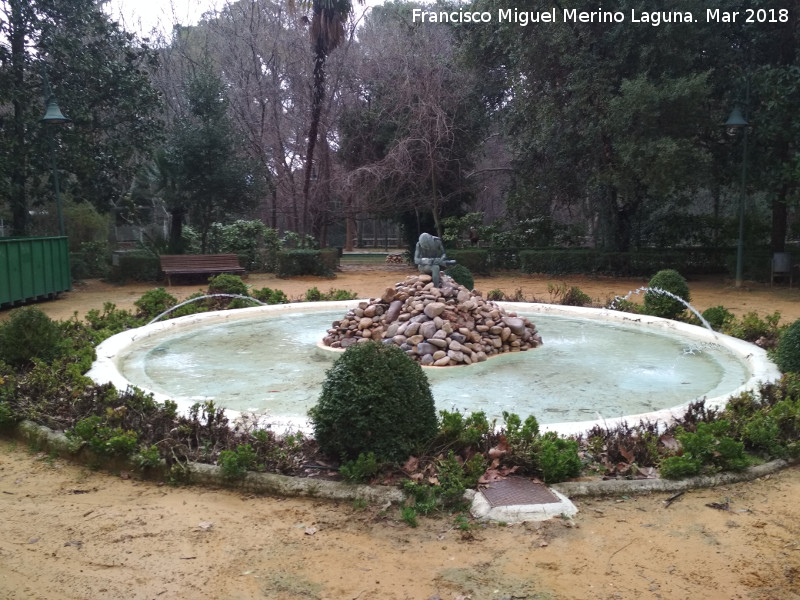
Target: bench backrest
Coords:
[[199, 261]]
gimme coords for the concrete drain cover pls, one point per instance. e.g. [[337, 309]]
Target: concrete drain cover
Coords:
[[517, 490]]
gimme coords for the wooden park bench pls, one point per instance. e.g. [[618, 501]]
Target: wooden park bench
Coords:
[[199, 264]]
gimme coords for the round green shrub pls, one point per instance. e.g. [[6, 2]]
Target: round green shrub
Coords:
[[717, 316], [661, 305], [787, 357], [461, 275], [374, 399], [154, 302], [227, 284], [29, 334]]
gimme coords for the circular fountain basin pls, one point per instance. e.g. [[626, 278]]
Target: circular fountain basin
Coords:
[[596, 366]]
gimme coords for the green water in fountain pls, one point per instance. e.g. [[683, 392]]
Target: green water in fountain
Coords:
[[586, 369]]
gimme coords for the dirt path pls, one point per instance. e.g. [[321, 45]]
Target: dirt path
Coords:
[[70, 533], [371, 282]]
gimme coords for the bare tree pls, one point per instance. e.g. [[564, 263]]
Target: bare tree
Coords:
[[416, 109]]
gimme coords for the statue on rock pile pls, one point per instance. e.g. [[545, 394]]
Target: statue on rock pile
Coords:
[[440, 326], [430, 256]]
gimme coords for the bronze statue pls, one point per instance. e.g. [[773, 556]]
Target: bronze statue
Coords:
[[430, 256]]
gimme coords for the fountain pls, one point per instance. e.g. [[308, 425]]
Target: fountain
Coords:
[[596, 366]]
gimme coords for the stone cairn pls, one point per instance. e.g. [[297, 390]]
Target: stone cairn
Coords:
[[443, 326]]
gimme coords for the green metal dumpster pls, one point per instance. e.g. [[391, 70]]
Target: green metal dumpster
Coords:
[[33, 268]]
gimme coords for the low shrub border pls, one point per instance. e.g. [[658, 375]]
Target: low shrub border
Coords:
[[112, 423], [46, 440]]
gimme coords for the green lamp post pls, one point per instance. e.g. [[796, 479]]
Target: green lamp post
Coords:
[[737, 121], [53, 116]]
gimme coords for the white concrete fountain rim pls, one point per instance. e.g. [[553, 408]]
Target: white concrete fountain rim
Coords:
[[761, 369]]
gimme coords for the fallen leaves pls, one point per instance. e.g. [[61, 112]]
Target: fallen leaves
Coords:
[[496, 474]]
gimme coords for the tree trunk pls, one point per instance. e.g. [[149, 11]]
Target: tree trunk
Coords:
[[176, 231], [350, 225], [317, 96], [19, 200], [779, 220]]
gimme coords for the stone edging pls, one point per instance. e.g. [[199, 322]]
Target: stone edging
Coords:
[[211, 475], [284, 485]]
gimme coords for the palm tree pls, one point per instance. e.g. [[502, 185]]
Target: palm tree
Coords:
[[327, 33]]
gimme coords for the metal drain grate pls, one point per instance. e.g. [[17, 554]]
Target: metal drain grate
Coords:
[[517, 490]]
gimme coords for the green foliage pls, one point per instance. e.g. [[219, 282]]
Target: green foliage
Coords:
[[374, 399], [718, 317], [461, 275], [292, 240], [111, 321], [424, 497], [709, 446], [360, 470], [236, 463], [102, 438], [474, 259], [661, 305], [787, 356], [456, 229], [409, 515], [330, 259], [559, 261], [227, 284], [626, 306], [558, 458], [751, 327], [314, 295], [7, 416], [136, 266], [520, 436], [29, 334], [102, 76], [547, 455], [254, 243], [495, 295], [191, 308], [208, 174], [678, 467], [572, 296], [292, 263], [154, 302], [148, 458], [456, 430], [270, 296], [92, 261]]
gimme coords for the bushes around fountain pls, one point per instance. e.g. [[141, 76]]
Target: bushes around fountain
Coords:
[[462, 276], [661, 305], [567, 296], [787, 355], [314, 295], [29, 335], [374, 399], [53, 391], [718, 317]]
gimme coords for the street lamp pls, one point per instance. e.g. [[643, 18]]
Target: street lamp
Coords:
[[737, 121], [54, 116]]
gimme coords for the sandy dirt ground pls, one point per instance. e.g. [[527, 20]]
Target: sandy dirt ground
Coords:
[[67, 532]]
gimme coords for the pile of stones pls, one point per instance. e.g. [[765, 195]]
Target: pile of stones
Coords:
[[443, 326], [396, 259]]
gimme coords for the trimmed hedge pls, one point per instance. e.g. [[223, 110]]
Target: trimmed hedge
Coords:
[[322, 263], [374, 399], [136, 266], [694, 261], [474, 259]]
